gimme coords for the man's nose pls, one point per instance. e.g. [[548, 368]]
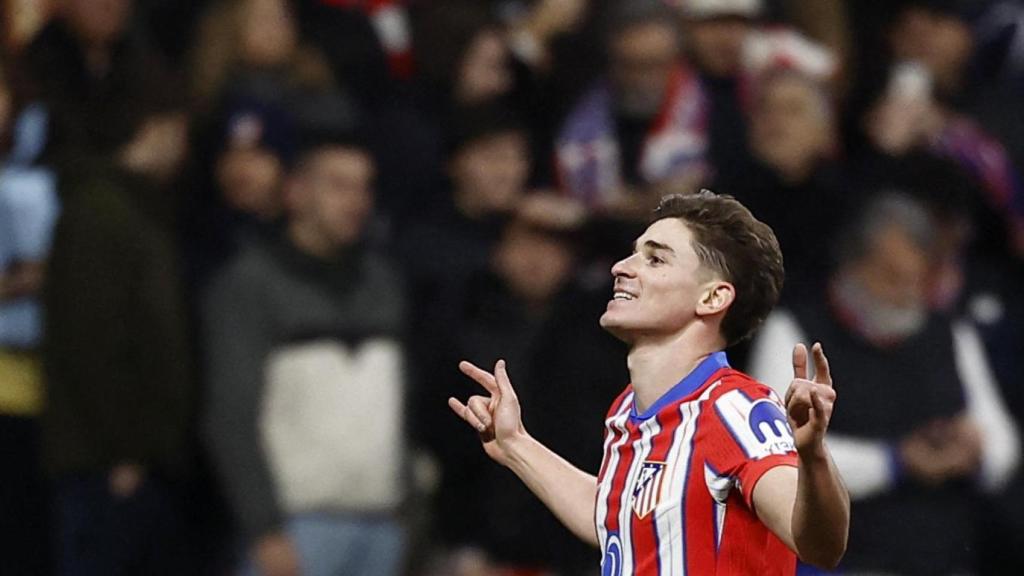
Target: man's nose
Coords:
[[624, 267]]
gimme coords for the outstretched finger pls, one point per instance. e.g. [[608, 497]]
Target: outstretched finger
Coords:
[[466, 414], [800, 361], [481, 376], [822, 374], [501, 376]]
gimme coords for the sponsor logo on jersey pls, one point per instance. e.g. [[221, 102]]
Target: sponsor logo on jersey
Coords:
[[759, 426], [611, 563]]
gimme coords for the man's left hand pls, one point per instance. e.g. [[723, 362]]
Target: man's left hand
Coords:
[[809, 403]]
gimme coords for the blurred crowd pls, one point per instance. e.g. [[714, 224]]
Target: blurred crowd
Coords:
[[245, 243]]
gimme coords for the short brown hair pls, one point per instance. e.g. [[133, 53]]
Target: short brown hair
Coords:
[[730, 241]]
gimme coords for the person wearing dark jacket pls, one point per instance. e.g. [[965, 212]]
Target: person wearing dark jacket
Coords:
[[303, 414], [924, 431], [118, 380]]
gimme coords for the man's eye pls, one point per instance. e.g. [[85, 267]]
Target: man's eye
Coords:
[[654, 260]]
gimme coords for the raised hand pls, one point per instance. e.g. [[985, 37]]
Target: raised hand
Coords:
[[497, 416], [809, 403]]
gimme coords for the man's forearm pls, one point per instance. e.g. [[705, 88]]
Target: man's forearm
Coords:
[[567, 491], [821, 512]]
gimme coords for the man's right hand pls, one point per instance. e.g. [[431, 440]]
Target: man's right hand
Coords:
[[497, 416], [275, 555], [942, 450]]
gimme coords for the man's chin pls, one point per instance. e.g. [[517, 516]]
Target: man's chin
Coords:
[[615, 328]]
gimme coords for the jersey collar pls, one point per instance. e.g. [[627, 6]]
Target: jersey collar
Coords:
[[688, 385]]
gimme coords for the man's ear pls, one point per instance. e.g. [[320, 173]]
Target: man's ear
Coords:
[[716, 298]]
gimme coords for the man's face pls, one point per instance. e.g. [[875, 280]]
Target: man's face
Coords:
[[717, 44], [535, 264], [490, 173], [250, 181], [895, 271], [98, 22], [791, 122], [657, 288], [642, 60], [941, 42], [333, 194]]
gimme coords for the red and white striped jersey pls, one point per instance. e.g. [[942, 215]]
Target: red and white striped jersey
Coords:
[[675, 490]]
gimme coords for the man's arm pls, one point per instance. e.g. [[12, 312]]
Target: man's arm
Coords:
[[808, 507], [1000, 454], [567, 491], [237, 336]]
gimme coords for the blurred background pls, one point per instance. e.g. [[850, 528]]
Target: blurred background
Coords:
[[244, 243]]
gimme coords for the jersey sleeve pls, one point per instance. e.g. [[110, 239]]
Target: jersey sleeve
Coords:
[[748, 434]]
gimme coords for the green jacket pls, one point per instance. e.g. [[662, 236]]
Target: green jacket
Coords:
[[116, 356]]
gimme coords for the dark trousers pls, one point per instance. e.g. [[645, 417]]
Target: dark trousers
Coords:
[[99, 533], [24, 507]]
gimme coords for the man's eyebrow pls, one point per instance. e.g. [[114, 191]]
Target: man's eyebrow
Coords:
[[656, 246]]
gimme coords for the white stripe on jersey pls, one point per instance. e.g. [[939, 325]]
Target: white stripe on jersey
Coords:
[[720, 510], [616, 424], [641, 449], [669, 519], [719, 486]]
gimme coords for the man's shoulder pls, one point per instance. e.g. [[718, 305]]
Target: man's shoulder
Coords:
[[749, 414], [734, 382], [244, 273]]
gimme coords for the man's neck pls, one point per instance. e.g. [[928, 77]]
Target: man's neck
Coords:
[[658, 364], [308, 241]]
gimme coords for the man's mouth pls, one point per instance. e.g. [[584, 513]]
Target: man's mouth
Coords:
[[622, 295]]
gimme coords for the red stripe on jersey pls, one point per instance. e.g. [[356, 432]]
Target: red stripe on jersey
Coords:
[[747, 546], [645, 530], [699, 516]]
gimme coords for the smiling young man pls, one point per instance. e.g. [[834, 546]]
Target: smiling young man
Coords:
[[705, 470]]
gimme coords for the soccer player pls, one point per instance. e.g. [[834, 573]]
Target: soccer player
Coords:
[[705, 470]]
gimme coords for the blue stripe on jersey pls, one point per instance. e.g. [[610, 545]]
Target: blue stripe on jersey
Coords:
[[688, 385], [654, 519]]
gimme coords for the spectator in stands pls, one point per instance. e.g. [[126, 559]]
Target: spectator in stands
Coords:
[[451, 243], [644, 124], [795, 183], [461, 60], [97, 78], [531, 306], [242, 200], [924, 427], [717, 32], [306, 382], [28, 210], [932, 103], [117, 424], [253, 48]]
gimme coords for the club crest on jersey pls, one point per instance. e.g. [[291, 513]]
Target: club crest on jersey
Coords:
[[647, 492]]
